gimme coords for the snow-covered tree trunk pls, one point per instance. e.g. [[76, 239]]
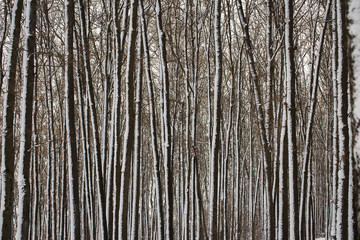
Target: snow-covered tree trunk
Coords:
[[269, 115], [34, 176], [269, 80], [215, 145], [137, 145], [73, 174], [186, 164], [354, 10], [283, 218], [129, 134], [7, 138], [63, 205], [342, 79], [335, 141], [291, 121], [196, 190], [23, 210], [352, 228], [51, 158]]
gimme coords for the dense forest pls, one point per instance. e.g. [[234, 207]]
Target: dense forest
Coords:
[[176, 119]]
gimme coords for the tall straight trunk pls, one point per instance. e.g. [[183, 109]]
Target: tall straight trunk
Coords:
[[70, 123], [137, 145], [169, 231], [186, 163], [335, 142], [196, 191], [309, 126], [251, 163], [106, 147], [269, 82], [269, 115], [105, 107], [228, 129], [23, 217], [353, 230], [50, 156], [237, 154], [63, 205], [291, 120], [34, 181], [216, 144], [283, 222], [342, 79], [130, 118], [7, 147]]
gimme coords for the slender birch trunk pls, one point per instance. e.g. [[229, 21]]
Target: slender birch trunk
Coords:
[[137, 145], [342, 79], [215, 145], [23, 210], [335, 142], [291, 120]]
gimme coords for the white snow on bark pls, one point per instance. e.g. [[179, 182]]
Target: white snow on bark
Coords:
[[354, 29], [354, 15], [16, 5], [21, 178]]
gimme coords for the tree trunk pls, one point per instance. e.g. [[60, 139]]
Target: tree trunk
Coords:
[[23, 217], [291, 121], [342, 79], [70, 124], [130, 118], [7, 147], [216, 144]]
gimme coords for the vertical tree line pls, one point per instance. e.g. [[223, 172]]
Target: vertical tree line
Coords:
[[177, 119]]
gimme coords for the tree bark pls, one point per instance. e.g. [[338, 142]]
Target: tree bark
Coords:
[[216, 144], [70, 124], [23, 217], [7, 147], [342, 79], [291, 120], [130, 118]]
